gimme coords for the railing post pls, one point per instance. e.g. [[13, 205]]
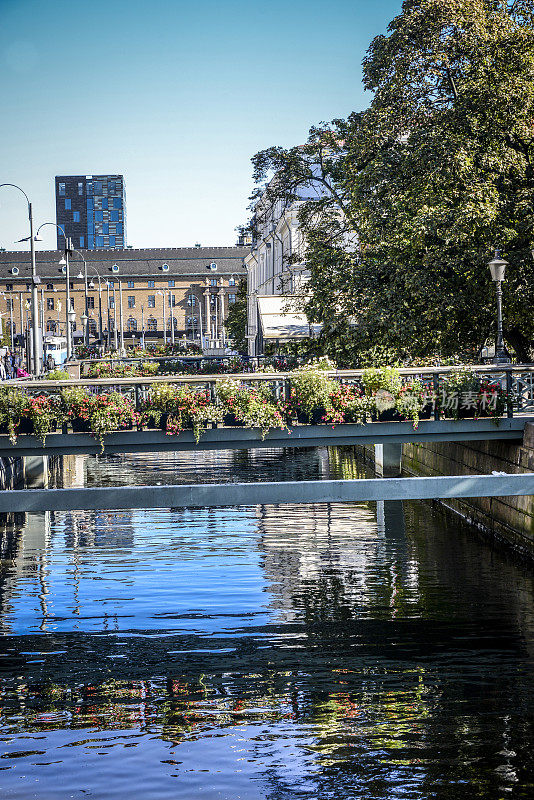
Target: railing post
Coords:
[[435, 389], [510, 404]]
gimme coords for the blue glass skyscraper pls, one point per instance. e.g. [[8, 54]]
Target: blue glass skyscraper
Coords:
[[91, 209]]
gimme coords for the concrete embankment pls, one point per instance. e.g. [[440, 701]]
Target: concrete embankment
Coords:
[[509, 519]]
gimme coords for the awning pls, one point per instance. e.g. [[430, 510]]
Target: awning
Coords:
[[279, 321]]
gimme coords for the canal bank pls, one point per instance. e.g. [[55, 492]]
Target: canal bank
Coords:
[[507, 520]]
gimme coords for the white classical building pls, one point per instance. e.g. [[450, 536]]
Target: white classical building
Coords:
[[277, 274]]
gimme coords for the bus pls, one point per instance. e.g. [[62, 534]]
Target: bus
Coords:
[[56, 347]]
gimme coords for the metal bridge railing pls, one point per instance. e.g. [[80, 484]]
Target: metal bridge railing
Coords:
[[516, 378]]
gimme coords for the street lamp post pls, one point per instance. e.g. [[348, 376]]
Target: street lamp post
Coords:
[[121, 320], [35, 282], [497, 268], [171, 318], [92, 286], [63, 263]]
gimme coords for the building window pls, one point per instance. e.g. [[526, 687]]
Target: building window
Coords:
[[67, 205], [9, 287], [130, 284], [172, 300], [90, 204], [213, 281], [50, 303], [92, 327], [174, 323], [231, 299], [99, 216], [82, 241], [231, 281], [151, 284], [113, 216], [111, 240], [105, 203], [28, 287], [105, 228], [152, 301], [90, 302], [111, 284], [9, 304], [111, 302], [98, 187], [80, 188], [152, 324], [90, 227], [50, 326], [71, 284], [131, 324], [117, 202], [118, 229], [99, 241], [191, 300], [61, 189], [75, 216], [131, 301], [90, 241], [171, 284], [72, 303]]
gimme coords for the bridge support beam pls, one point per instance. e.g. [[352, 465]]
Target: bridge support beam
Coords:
[[35, 469], [388, 460]]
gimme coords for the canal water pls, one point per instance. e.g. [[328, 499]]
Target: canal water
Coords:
[[339, 651]]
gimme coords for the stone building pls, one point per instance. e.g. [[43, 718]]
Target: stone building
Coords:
[[192, 286]]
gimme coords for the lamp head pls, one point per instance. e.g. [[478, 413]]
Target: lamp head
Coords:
[[80, 274], [91, 284], [62, 261], [497, 267]]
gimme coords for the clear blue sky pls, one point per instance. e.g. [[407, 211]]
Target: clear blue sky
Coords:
[[176, 96]]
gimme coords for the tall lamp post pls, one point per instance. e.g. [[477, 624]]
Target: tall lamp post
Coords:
[[64, 264], [192, 300], [36, 365], [92, 286], [497, 267]]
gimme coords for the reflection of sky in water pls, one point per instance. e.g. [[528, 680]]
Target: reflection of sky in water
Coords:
[[273, 652]]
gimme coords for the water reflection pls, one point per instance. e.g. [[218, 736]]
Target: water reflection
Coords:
[[282, 652]]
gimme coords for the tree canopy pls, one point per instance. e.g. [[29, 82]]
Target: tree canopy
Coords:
[[419, 189]]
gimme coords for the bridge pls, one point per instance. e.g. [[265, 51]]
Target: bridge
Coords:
[[387, 437]]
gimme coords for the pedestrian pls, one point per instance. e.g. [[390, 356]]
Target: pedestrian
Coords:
[[8, 362]]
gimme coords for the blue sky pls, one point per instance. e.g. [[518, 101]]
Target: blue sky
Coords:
[[176, 96]]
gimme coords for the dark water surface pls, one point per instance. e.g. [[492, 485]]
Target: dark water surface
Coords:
[[274, 652]]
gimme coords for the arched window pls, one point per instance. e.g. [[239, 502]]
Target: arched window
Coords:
[[131, 325], [51, 326], [152, 324], [191, 322]]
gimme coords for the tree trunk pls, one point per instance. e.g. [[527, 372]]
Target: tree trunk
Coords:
[[519, 343]]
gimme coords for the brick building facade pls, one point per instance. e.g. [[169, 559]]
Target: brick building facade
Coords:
[[193, 286]]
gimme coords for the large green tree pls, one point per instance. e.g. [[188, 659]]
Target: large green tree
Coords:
[[434, 176], [236, 321]]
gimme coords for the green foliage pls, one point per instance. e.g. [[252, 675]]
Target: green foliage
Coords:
[[236, 321], [421, 187], [56, 375]]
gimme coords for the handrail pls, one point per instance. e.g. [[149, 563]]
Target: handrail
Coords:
[[263, 376]]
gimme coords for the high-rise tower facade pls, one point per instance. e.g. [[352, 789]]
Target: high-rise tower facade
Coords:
[[91, 209]]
